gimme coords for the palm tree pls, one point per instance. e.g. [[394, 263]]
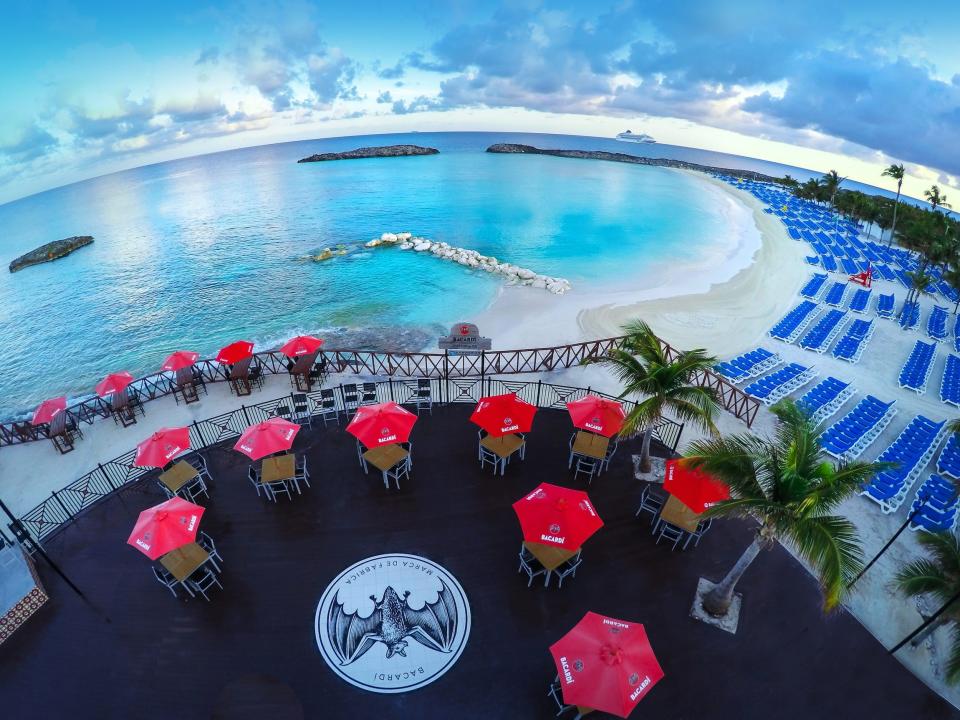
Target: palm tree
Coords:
[[936, 198], [787, 485], [896, 172], [666, 385], [831, 184], [939, 576]]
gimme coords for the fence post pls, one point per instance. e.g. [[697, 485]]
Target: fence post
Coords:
[[390, 385], [539, 383], [53, 494], [483, 363], [199, 434], [677, 439], [245, 415]]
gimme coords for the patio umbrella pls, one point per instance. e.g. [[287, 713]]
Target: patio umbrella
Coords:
[[113, 383], [301, 345], [693, 487], [165, 527], [179, 360], [48, 409], [554, 515], [266, 438], [606, 664], [503, 414], [161, 447], [235, 352], [598, 415], [381, 424]]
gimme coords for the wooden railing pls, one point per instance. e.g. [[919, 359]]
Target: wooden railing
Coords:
[[67, 503], [392, 364]]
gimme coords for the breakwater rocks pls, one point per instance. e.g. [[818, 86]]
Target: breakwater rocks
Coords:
[[513, 149], [514, 274], [372, 152], [50, 252]]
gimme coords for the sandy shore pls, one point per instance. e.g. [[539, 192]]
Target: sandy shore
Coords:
[[746, 280]]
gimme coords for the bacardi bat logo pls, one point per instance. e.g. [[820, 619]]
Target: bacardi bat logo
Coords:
[[392, 623]]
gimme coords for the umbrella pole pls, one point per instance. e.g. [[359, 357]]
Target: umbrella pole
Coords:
[[43, 553]]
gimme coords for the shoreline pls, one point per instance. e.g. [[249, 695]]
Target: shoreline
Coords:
[[724, 301]]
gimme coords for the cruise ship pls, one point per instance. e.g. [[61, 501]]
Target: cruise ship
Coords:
[[638, 137]]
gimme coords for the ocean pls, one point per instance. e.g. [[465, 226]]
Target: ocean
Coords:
[[196, 253]]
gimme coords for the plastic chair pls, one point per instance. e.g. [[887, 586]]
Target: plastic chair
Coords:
[[301, 410], [671, 532], [568, 568], [529, 564], [328, 407], [424, 396], [486, 456], [254, 476], [701, 530], [351, 396], [586, 465], [650, 502], [206, 542], [368, 394], [203, 583], [164, 577]]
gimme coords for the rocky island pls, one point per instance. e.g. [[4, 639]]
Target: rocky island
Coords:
[[511, 148], [51, 251], [372, 152]]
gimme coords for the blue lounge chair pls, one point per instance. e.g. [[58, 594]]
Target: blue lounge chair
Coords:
[[949, 461], [814, 286], [847, 438], [950, 384], [916, 370], [909, 453], [771, 388], [937, 323], [850, 346], [750, 364], [793, 323], [885, 305], [819, 337], [860, 300], [835, 293], [824, 399]]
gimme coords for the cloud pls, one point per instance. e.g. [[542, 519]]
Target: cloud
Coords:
[[331, 76], [385, 97], [210, 55], [391, 73], [418, 104], [34, 142]]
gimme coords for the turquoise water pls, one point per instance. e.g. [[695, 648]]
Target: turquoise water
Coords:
[[195, 253]]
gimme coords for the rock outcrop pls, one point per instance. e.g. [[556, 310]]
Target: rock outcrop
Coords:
[[514, 274], [50, 252], [513, 149], [372, 152]]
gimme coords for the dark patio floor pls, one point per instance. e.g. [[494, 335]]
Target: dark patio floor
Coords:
[[252, 647]]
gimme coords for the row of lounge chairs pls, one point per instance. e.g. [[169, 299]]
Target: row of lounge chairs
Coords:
[[834, 296], [886, 304], [828, 326], [750, 364], [950, 384], [777, 385], [934, 508], [860, 300], [916, 370], [814, 286], [847, 438], [824, 399], [949, 461], [794, 322], [850, 346], [909, 315], [909, 455], [937, 323]]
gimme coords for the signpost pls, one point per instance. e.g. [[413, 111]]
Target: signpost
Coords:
[[464, 339]]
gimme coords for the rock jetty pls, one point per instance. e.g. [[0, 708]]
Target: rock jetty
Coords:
[[372, 152], [513, 149], [514, 274], [50, 252]]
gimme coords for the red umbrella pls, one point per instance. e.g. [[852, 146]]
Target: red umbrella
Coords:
[[693, 487], [604, 417], [161, 447], [179, 360], [301, 345], [165, 527], [554, 515], [381, 424], [606, 664], [113, 383], [503, 414], [266, 438], [235, 352], [48, 409]]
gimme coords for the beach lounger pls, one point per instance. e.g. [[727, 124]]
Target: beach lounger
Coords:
[[934, 507], [847, 438], [835, 293], [950, 384], [860, 300], [793, 323], [916, 370], [886, 305], [948, 292], [828, 263], [749, 365], [937, 323], [771, 388], [819, 337], [812, 259], [949, 461], [850, 346], [824, 399], [814, 286], [849, 266], [909, 315], [914, 447], [794, 233]]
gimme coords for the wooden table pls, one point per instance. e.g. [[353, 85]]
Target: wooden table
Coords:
[[178, 476], [280, 467], [184, 561], [503, 447], [301, 372], [550, 556], [240, 377], [590, 445], [678, 514], [385, 458]]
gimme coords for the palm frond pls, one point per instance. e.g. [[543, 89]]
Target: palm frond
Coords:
[[829, 543], [921, 577], [952, 669]]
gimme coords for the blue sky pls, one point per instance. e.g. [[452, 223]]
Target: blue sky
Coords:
[[92, 87]]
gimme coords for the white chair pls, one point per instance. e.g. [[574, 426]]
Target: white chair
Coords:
[[193, 489], [568, 568], [328, 407], [400, 470], [272, 489], [254, 476], [302, 473], [671, 532], [363, 461], [486, 456], [206, 542], [164, 577], [611, 449], [530, 565], [586, 465], [650, 502], [701, 530], [206, 580]]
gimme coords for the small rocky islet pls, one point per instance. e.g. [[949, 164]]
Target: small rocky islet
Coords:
[[50, 252], [372, 152]]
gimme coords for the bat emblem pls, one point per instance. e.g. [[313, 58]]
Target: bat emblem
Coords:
[[391, 623]]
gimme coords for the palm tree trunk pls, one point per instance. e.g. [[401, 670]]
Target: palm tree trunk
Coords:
[[717, 601], [645, 465], [896, 204], [928, 631]]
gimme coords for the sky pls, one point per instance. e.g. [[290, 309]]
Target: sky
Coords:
[[93, 87]]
